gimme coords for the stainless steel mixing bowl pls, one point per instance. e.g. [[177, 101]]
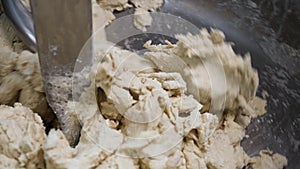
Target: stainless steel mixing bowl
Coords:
[[270, 31]]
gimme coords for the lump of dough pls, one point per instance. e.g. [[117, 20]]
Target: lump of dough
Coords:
[[223, 149], [137, 90], [147, 5], [118, 162], [89, 152], [142, 19], [109, 6], [174, 158], [22, 137], [193, 55], [112, 5], [100, 15], [6, 162], [223, 154], [21, 81], [268, 159], [37, 102], [192, 155], [28, 66], [7, 61], [10, 87]]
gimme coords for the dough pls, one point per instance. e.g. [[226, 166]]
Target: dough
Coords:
[[197, 58], [142, 19], [10, 87], [8, 61], [22, 137], [103, 11], [106, 139], [112, 5], [20, 78], [21, 81], [88, 153], [131, 83], [268, 159], [148, 5], [154, 113]]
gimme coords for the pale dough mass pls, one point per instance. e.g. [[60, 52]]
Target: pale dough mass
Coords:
[[163, 97], [22, 136]]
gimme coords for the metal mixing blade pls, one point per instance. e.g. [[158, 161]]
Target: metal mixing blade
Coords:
[[61, 29]]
